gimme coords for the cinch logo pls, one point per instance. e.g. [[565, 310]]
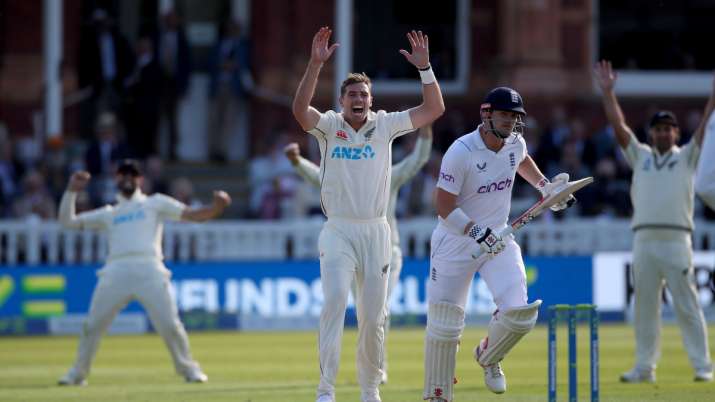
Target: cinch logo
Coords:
[[341, 134], [446, 177], [496, 186], [353, 153]]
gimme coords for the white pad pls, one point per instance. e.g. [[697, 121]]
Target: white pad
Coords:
[[505, 330], [445, 323]]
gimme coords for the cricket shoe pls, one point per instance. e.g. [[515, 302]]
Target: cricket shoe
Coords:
[[637, 375], [494, 377], [197, 377], [703, 376], [325, 398], [71, 379], [372, 396]]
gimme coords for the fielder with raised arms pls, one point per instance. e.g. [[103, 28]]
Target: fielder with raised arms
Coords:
[[473, 200], [402, 172], [355, 174], [134, 269], [662, 195]]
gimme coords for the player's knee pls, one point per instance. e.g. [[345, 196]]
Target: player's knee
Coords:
[[445, 322]]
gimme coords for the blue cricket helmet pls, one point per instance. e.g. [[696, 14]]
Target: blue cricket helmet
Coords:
[[504, 98]]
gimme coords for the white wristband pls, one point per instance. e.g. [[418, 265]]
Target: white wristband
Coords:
[[457, 220], [427, 76]]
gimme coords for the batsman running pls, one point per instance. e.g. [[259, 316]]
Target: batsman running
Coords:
[[355, 173], [473, 199], [134, 269], [402, 172]]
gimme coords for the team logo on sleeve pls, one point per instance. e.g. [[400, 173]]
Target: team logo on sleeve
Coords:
[[342, 135]]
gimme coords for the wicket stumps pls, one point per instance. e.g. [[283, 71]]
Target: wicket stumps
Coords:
[[573, 312]]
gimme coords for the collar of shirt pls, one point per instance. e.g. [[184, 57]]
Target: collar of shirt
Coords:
[[137, 196]]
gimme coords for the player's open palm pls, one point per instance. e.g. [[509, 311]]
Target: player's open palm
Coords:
[[221, 199], [605, 76], [79, 180], [321, 52], [419, 56]]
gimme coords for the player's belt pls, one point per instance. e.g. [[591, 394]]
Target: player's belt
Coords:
[[662, 226]]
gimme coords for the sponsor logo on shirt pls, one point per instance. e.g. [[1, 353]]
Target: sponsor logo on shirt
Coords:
[[495, 186], [512, 159], [446, 177], [482, 167], [353, 153], [342, 135], [129, 217]]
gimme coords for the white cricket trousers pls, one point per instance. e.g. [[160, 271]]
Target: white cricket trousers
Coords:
[[666, 257], [452, 269], [358, 249], [146, 281]]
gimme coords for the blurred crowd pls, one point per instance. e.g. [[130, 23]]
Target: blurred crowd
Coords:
[[131, 111]]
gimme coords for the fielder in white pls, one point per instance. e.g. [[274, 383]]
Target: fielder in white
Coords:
[[134, 269], [473, 199], [662, 196], [402, 172], [355, 174]]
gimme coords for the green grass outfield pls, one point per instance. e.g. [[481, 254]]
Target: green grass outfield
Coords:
[[283, 367]]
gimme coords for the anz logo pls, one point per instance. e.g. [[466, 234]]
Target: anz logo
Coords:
[[353, 153], [129, 217]]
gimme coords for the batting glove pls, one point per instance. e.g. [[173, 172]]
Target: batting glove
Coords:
[[547, 188], [489, 241]]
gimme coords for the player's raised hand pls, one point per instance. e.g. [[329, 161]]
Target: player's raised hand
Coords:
[[221, 199], [605, 76], [79, 180], [292, 152], [420, 49], [320, 51]]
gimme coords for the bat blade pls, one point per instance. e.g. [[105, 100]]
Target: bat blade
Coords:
[[561, 194]]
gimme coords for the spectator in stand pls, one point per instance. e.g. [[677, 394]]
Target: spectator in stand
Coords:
[[101, 156], [175, 60], [105, 61], [154, 178], [229, 89], [143, 100], [35, 200], [182, 190]]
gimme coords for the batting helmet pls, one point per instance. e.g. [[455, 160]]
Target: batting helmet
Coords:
[[504, 98]]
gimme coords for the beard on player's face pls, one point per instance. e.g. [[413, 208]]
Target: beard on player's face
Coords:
[[127, 184], [664, 137]]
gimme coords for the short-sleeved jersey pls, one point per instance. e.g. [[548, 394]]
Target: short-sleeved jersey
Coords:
[[662, 185], [482, 179], [134, 225], [355, 167]]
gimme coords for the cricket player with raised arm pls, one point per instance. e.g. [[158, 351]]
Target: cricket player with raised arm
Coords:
[[402, 172], [662, 195], [134, 269], [473, 199], [355, 175]]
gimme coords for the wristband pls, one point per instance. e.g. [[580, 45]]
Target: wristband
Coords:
[[427, 75], [457, 220]]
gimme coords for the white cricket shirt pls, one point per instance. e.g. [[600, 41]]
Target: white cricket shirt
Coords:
[[134, 225], [355, 167], [402, 172], [481, 179], [662, 185]]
